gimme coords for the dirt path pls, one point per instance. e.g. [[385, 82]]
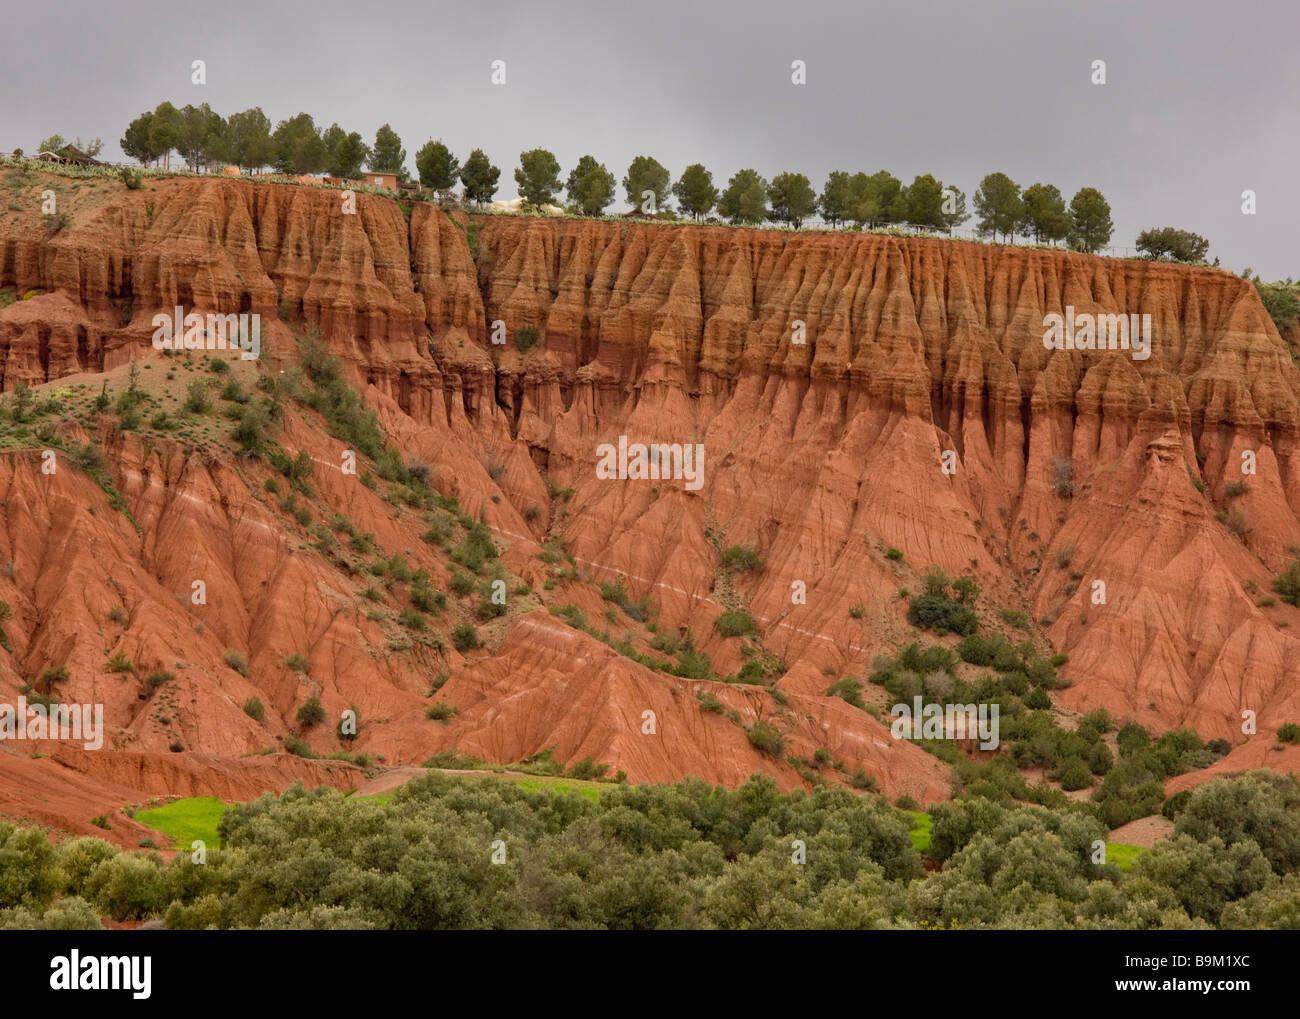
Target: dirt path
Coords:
[[1144, 832], [388, 781], [395, 777]]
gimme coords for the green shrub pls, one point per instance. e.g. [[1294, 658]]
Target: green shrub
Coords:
[[1289, 732], [439, 532], [936, 581], [738, 557], [1099, 758], [250, 432], [1132, 738], [236, 661], [461, 583], [399, 569], [663, 642], [128, 887], [477, 547], [298, 747], [571, 614], [848, 689], [615, 591], [710, 703], [1074, 775], [1015, 618], [254, 710], [735, 623], [198, 399], [438, 682], [30, 872], [465, 637], [767, 739], [440, 711], [692, 664], [966, 590], [1098, 719], [941, 614], [1176, 804], [977, 650], [751, 672], [1287, 584], [411, 619], [451, 758], [311, 712], [587, 770], [425, 598]]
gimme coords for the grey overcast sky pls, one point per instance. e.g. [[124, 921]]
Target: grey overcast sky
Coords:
[[1199, 104]]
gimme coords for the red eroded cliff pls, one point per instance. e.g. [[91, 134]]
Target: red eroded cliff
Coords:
[[1074, 495]]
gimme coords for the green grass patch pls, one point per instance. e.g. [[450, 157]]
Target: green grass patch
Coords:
[[380, 798], [1123, 856], [536, 783], [921, 824], [187, 820]]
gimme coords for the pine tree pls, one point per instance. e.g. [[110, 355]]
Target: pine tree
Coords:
[[387, 154], [538, 177], [590, 187], [437, 167], [479, 177], [695, 192]]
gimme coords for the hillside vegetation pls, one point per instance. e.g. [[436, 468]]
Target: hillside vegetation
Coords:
[[447, 853]]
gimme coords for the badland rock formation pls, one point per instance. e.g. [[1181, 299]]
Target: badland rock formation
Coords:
[[1071, 468]]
